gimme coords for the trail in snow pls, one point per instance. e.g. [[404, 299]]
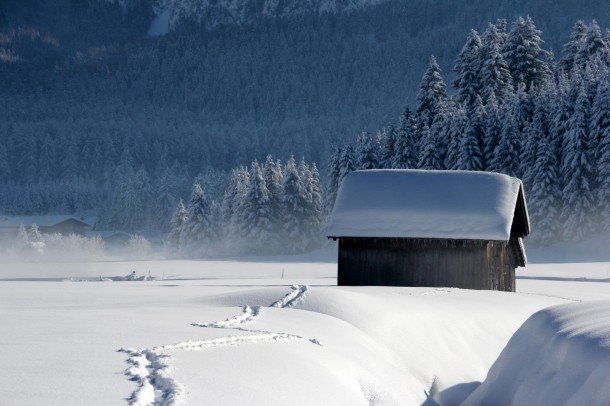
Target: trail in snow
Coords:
[[296, 296], [258, 337], [150, 368], [249, 315]]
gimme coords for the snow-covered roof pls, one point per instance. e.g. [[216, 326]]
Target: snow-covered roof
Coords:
[[429, 204], [41, 221]]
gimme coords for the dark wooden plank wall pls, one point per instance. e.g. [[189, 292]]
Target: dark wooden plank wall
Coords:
[[412, 262]]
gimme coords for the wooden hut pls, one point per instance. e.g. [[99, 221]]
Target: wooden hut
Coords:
[[429, 228]]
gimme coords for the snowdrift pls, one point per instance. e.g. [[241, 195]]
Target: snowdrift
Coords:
[[560, 356]]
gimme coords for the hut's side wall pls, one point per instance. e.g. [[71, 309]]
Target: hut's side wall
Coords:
[[412, 262]]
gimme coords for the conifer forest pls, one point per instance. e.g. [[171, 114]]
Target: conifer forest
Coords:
[[232, 137]]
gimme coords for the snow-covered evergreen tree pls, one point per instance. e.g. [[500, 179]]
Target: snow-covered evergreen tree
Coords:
[[592, 44], [332, 186], [430, 155], [257, 216], [600, 130], [272, 173], [405, 150], [22, 241], [537, 129], [576, 169], [524, 54], [496, 80], [232, 204], [366, 153], [507, 154], [312, 211], [196, 236], [492, 130], [470, 155], [573, 46], [453, 132], [386, 141], [432, 96], [468, 67], [177, 222], [544, 199], [294, 200], [166, 192], [346, 162]]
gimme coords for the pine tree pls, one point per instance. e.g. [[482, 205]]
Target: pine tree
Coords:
[[232, 200], [467, 68], [22, 240], [507, 154], [496, 80], [524, 54], [454, 129], [592, 44], [272, 173], [177, 222], [366, 152], [196, 237], [470, 156], [257, 216], [166, 191], [493, 129], [294, 200], [545, 197], [572, 47], [332, 187], [405, 150], [312, 211], [386, 140], [600, 130], [346, 162], [432, 96], [429, 156], [537, 129], [577, 171]]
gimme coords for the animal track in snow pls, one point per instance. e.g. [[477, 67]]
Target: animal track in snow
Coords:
[[150, 369]]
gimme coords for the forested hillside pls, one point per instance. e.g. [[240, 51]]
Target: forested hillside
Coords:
[[89, 103]]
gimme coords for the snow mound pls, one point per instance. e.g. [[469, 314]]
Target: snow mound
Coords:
[[560, 356]]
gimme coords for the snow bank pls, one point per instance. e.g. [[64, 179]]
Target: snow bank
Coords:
[[425, 204], [560, 356]]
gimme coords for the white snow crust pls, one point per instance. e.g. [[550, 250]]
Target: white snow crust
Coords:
[[425, 204]]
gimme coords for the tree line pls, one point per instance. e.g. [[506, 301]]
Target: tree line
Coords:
[[267, 209]]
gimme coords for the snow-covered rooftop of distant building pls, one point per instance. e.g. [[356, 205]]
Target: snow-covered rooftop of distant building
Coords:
[[44, 221], [428, 204]]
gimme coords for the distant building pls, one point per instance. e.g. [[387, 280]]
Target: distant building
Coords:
[[430, 228], [62, 224]]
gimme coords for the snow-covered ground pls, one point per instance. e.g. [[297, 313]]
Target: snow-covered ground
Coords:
[[271, 331]]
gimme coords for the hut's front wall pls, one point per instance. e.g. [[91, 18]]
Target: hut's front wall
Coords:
[[438, 263]]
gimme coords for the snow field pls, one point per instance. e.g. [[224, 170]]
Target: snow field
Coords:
[[213, 336]]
